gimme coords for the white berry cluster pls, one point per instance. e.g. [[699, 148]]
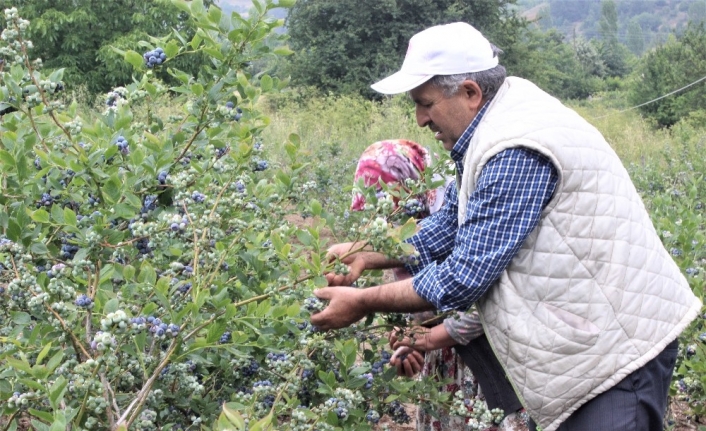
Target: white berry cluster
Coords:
[[117, 321], [103, 341], [15, 30], [477, 412]]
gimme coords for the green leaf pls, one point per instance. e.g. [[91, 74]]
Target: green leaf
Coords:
[[197, 7], [172, 48], [129, 273], [235, 418], [197, 89], [111, 189], [40, 216], [69, 216], [214, 15], [56, 391], [55, 360], [42, 415], [39, 248], [162, 285], [408, 229], [59, 422], [315, 207], [7, 160], [135, 59], [43, 353], [147, 274], [266, 83], [18, 364], [57, 214], [283, 50], [14, 231], [111, 306], [20, 318], [182, 6]]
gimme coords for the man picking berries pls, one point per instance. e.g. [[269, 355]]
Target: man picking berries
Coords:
[[545, 233]]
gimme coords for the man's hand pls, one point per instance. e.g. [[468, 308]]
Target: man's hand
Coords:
[[416, 337], [408, 361], [345, 307], [355, 262]]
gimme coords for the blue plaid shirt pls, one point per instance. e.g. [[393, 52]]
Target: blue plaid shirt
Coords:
[[458, 264]]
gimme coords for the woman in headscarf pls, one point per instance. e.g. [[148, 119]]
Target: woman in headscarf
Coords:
[[393, 162]]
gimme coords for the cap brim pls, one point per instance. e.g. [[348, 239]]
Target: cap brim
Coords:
[[400, 82]]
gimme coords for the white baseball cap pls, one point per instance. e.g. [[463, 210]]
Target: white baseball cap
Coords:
[[447, 49]]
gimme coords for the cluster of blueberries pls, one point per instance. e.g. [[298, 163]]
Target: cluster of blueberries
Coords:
[[250, 369], [156, 326], [413, 207], [185, 288], [181, 225], [398, 413], [313, 305], [143, 246], [162, 177], [377, 365], [225, 338], [220, 152], [274, 357], [68, 251], [341, 409], [372, 416], [198, 197], [261, 165], [84, 301], [123, 145], [238, 112], [154, 58], [45, 201]]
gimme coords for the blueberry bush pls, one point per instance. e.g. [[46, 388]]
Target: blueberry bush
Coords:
[[149, 276], [153, 274], [674, 192]]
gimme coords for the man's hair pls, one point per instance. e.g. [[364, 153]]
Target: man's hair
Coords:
[[489, 80]]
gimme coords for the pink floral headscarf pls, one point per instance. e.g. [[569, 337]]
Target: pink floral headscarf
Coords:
[[392, 162]]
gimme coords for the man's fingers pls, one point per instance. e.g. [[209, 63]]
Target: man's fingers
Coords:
[[323, 293]]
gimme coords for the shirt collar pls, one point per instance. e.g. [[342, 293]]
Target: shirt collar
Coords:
[[461, 146]]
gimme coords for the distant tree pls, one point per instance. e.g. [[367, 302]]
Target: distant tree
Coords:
[[635, 37], [571, 11], [554, 66], [609, 22], [679, 62], [343, 46], [613, 53], [77, 35], [697, 11]]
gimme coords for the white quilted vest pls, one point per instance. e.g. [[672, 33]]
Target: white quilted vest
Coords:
[[592, 295]]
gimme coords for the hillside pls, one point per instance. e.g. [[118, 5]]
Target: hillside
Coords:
[[650, 20], [242, 6]]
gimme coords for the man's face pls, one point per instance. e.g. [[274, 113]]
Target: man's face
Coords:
[[447, 117]]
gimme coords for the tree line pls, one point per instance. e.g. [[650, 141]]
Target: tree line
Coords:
[[342, 46]]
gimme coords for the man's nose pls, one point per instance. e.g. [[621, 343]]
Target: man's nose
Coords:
[[422, 117]]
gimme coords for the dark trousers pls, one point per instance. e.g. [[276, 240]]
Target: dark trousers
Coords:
[[636, 403]]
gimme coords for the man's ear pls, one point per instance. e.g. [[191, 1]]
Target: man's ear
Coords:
[[473, 93]]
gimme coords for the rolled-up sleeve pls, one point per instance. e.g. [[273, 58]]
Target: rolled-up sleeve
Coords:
[[464, 327], [512, 190]]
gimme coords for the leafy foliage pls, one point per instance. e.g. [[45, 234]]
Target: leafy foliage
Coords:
[[344, 46], [77, 35], [149, 276], [673, 65]]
